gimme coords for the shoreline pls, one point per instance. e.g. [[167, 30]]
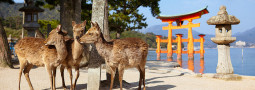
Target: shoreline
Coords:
[[159, 76], [154, 49]]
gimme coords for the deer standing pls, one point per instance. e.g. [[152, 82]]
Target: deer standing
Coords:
[[75, 51], [120, 53], [34, 52]]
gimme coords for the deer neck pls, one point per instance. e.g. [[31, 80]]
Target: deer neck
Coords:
[[77, 49], [61, 50], [103, 47]]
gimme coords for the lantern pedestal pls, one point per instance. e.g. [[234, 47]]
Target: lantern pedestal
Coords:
[[227, 77], [30, 32], [224, 62], [224, 69]]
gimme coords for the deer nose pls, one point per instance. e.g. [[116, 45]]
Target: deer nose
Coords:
[[78, 38]]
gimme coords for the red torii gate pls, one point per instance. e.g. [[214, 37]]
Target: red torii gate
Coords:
[[179, 21]]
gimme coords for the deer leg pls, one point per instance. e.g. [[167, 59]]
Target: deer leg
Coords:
[[113, 70], [54, 77], [26, 72], [69, 69], [62, 69], [49, 70], [22, 66], [141, 77], [77, 76], [121, 71]]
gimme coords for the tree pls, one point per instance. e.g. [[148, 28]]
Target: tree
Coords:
[[70, 10], [13, 22], [124, 14], [44, 23], [86, 11], [5, 52]]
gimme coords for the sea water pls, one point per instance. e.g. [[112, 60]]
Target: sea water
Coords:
[[242, 65]]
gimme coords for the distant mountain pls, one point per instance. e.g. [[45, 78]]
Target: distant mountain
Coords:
[[247, 36], [12, 10], [157, 29]]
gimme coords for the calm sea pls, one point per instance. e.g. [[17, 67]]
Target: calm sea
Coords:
[[242, 66]]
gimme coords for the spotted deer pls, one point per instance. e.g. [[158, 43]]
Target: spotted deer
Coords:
[[75, 54], [34, 52], [120, 53]]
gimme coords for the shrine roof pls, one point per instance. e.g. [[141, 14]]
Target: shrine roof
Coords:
[[31, 9], [178, 16]]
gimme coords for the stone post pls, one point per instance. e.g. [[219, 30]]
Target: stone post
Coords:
[[95, 60], [223, 38]]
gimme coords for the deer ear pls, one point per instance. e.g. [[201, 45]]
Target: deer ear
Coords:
[[84, 23], [64, 32], [96, 24], [73, 23], [58, 28], [92, 24]]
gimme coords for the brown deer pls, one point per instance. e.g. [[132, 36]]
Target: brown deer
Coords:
[[34, 52], [75, 51], [120, 53]]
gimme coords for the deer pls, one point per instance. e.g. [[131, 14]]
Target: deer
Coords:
[[119, 53], [74, 57], [35, 52]]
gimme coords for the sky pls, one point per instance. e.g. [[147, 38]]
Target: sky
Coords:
[[242, 9]]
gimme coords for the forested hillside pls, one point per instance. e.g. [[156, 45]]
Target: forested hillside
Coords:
[[12, 10]]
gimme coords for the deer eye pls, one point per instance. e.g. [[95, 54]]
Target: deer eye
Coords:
[[90, 34]]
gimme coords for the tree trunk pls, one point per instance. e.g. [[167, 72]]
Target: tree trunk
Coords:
[[106, 27], [70, 10], [5, 52], [66, 15], [77, 11]]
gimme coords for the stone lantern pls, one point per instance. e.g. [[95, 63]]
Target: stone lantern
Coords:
[[223, 38], [31, 17]]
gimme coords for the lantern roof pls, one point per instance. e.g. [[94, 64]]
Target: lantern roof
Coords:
[[223, 18], [31, 8], [185, 15]]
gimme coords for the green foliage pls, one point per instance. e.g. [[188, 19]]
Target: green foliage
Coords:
[[7, 1], [86, 12], [14, 32], [51, 4], [43, 25], [13, 22], [12, 10], [124, 14], [39, 3]]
